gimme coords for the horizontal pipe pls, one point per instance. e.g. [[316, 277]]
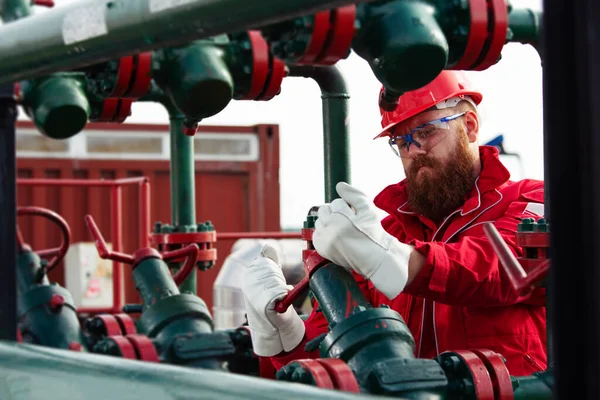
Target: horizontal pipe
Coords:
[[89, 32], [35, 372], [258, 235], [80, 182]]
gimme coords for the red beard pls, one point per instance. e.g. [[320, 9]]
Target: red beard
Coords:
[[443, 188]]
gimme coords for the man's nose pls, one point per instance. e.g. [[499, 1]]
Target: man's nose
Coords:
[[415, 150]]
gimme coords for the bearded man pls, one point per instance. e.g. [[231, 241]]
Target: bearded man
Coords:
[[429, 259]]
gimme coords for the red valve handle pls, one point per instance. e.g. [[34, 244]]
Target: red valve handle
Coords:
[[59, 252], [311, 263], [44, 3], [192, 251], [521, 281]]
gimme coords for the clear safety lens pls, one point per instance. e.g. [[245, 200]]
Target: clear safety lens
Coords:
[[423, 136]]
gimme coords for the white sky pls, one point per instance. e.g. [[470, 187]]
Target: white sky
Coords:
[[512, 106]]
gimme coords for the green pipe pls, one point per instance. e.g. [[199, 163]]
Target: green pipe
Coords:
[[183, 193], [13, 10], [35, 372], [93, 31], [183, 185], [336, 110], [526, 27]]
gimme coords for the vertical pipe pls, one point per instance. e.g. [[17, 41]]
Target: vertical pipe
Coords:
[[144, 216], [8, 215], [571, 104], [336, 141], [183, 196], [117, 244]]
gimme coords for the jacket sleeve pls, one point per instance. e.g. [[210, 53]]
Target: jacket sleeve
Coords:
[[315, 324], [468, 272]]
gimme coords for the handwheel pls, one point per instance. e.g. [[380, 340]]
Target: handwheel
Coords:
[[57, 253]]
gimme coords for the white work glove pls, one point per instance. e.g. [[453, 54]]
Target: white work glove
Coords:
[[348, 233], [263, 284]]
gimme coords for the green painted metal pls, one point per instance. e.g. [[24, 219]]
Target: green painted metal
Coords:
[[42, 320], [153, 281], [183, 196], [526, 27], [374, 342], [54, 40], [11, 10], [58, 104], [33, 372], [336, 123], [394, 38], [196, 77], [535, 387]]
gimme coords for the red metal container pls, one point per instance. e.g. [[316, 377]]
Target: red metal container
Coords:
[[238, 191]]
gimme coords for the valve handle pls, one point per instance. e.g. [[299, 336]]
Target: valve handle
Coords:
[[521, 281], [312, 262], [282, 305], [58, 253], [103, 251], [43, 3], [191, 251]]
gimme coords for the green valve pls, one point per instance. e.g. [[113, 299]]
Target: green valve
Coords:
[[526, 225], [202, 228]]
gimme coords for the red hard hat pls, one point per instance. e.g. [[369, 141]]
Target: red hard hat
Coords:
[[445, 86]]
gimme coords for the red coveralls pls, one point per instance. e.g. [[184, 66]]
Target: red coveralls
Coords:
[[460, 299]]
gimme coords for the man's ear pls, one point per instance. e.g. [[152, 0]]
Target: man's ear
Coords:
[[472, 125]]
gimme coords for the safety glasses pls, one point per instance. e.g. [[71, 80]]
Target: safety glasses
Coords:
[[424, 136]]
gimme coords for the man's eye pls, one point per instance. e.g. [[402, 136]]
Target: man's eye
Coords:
[[424, 132]]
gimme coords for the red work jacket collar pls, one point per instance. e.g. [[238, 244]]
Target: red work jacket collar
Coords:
[[394, 198]]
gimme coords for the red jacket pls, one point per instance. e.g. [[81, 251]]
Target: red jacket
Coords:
[[460, 299]]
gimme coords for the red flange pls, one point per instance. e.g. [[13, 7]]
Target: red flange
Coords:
[[321, 28], [533, 239], [124, 75], [115, 110], [498, 14], [318, 372], [171, 241], [144, 348], [478, 34], [340, 36], [484, 388], [340, 373], [275, 79], [499, 374], [111, 325], [126, 324], [143, 76], [260, 64], [125, 347]]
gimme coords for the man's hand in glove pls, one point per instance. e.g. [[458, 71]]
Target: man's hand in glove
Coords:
[[263, 284], [348, 232]]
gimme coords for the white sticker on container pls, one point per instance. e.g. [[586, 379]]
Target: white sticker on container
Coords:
[[84, 23], [161, 5]]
